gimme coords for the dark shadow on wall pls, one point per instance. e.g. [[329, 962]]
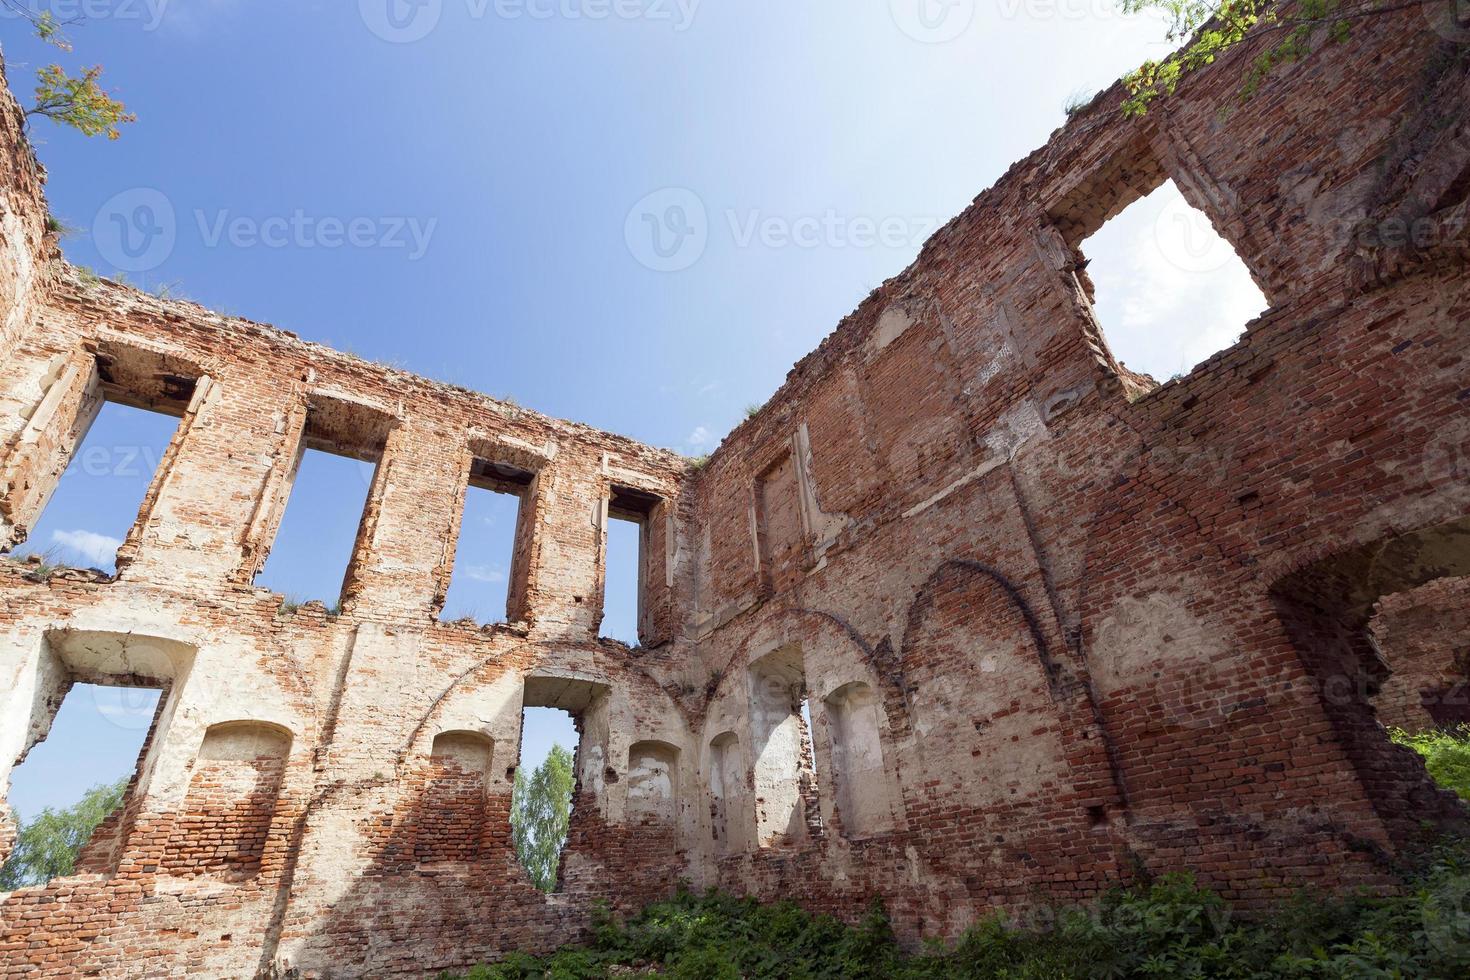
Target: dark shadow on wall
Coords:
[[1326, 608]]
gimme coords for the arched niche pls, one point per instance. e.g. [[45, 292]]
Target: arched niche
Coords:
[[472, 752], [227, 814], [777, 683], [864, 796], [726, 789], [245, 741], [653, 782], [452, 810]]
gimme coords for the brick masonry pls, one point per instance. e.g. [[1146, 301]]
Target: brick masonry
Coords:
[[1053, 623]]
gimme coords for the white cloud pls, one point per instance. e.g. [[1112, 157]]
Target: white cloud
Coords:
[[699, 437], [1170, 291], [96, 549], [485, 573]]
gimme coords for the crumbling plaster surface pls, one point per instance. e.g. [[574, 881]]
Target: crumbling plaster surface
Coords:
[[1100, 624]]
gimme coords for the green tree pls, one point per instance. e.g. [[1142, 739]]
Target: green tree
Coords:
[[1212, 27], [48, 845], [78, 101], [540, 813]]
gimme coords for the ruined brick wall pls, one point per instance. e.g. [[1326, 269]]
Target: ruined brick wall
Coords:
[[1088, 604], [1423, 636], [22, 225], [1053, 623]]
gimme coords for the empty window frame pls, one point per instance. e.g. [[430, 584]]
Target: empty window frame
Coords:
[[85, 711], [491, 555], [97, 500], [90, 754], [78, 484], [1166, 289], [563, 752], [625, 563], [329, 493], [1169, 291]]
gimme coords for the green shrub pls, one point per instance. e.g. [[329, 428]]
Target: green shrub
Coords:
[[1446, 755], [1169, 928]]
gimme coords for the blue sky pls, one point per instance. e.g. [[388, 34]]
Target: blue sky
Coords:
[[633, 213]]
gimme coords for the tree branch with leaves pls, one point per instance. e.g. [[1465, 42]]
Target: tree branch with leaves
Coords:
[[78, 101]]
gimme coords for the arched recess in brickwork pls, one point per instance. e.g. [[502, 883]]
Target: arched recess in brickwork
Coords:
[[777, 686], [988, 730], [865, 798], [955, 570], [653, 782], [224, 827], [728, 791], [841, 650], [452, 812], [1326, 608]]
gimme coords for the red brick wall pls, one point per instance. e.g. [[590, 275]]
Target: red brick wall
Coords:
[[1424, 635], [1111, 625]]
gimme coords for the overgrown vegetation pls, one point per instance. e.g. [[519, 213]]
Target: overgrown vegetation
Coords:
[[1213, 27], [540, 815], [41, 565], [48, 845], [1077, 101], [60, 228], [1169, 928], [1446, 755]]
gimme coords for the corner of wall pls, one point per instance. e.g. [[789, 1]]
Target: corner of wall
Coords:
[[25, 245]]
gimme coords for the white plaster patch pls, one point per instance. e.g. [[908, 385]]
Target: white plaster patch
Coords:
[[891, 325]]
